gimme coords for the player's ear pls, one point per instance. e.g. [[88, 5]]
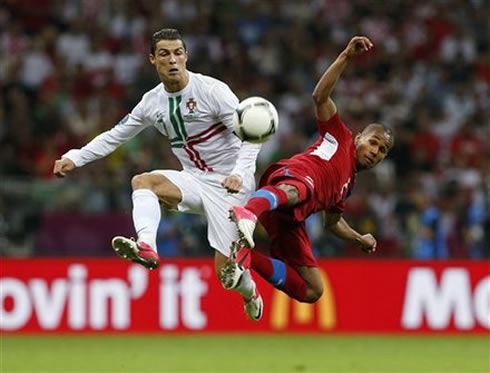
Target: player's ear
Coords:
[[151, 57], [357, 138]]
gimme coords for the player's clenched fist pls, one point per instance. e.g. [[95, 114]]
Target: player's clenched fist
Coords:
[[232, 183], [357, 45], [63, 166], [367, 243]]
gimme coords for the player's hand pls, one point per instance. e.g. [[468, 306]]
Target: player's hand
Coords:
[[232, 183], [358, 45], [63, 166], [367, 243]]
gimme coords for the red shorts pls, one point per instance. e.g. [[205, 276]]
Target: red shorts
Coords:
[[287, 233], [289, 240]]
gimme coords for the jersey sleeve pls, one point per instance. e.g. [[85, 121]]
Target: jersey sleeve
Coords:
[[246, 161], [108, 141], [224, 103], [337, 208]]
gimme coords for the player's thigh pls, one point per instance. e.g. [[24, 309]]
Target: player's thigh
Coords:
[[221, 231], [217, 203], [188, 187], [290, 243], [289, 240]]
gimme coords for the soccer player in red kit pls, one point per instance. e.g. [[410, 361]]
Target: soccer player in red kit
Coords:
[[320, 179]]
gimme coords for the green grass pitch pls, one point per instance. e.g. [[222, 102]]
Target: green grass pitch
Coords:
[[244, 353]]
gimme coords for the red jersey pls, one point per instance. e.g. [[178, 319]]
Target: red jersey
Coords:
[[327, 168]]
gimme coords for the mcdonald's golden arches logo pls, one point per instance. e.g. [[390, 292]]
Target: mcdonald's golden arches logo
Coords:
[[304, 313]]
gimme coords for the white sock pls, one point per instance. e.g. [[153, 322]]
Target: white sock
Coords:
[[146, 216], [246, 285]]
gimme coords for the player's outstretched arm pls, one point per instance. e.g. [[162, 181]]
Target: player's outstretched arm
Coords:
[[339, 227], [324, 106], [102, 145]]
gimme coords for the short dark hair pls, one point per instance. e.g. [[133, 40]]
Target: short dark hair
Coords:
[[165, 34]]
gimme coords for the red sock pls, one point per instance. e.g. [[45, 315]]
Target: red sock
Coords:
[[265, 199], [280, 275]]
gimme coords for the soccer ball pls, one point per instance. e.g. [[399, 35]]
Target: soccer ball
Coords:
[[255, 120]]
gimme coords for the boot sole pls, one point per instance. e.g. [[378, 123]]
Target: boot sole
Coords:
[[125, 250]]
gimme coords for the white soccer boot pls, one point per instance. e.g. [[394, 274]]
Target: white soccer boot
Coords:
[[254, 308]]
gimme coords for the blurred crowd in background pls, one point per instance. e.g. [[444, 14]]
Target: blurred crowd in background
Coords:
[[70, 69]]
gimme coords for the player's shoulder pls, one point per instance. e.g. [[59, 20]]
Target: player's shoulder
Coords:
[[205, 80], [153, 94], [334, 123], [207, 83]]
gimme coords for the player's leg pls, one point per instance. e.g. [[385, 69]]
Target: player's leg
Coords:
[[302, 283], [291, 268], [314, 282], [237, 278], [281, 192], [222, 235], [149, 189]]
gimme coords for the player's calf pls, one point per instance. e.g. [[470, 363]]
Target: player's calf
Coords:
[[235, 275]]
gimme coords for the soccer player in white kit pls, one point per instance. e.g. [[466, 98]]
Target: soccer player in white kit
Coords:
[[195, 112]]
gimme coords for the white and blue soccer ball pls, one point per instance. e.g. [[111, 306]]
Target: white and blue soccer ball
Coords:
[[255, 120]]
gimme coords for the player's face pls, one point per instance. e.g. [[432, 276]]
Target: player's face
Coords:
[[170, 60], [371, 148]]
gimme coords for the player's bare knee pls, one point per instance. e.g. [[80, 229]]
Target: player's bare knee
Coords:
[[313, 294], [313, 281], [141, 181]]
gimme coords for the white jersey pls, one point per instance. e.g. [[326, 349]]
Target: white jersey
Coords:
[[198, 122]]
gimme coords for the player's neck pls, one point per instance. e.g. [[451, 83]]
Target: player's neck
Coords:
[[176, 85]]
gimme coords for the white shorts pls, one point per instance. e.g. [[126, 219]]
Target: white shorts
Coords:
[[203, 194]]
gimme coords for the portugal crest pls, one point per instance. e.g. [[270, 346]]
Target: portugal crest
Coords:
[[191, 105]]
